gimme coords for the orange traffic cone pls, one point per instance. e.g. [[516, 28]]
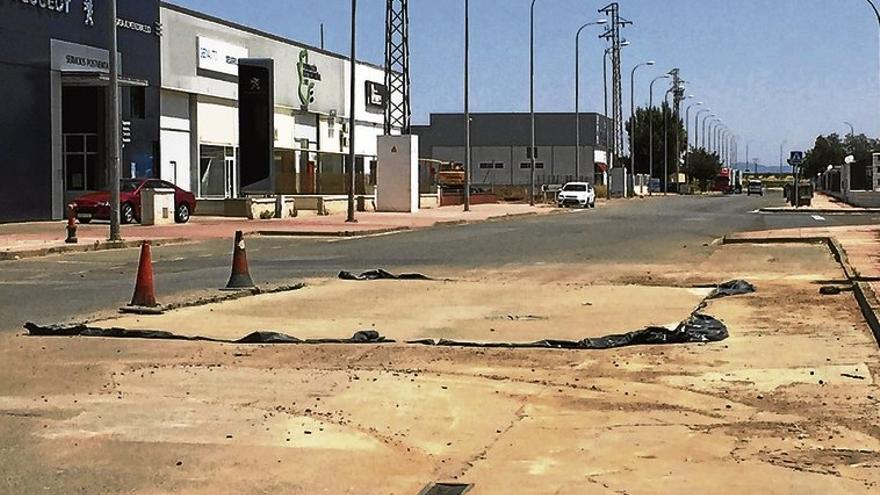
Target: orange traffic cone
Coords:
[[144, 293], [241, 277]]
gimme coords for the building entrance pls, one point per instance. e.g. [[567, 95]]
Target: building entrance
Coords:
[[82, 133]]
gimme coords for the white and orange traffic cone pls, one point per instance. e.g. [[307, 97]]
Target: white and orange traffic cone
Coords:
[[240, 279], [144, 298]]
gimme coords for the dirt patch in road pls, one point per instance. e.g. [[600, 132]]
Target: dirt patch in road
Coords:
[[496, 308], [786, 405]]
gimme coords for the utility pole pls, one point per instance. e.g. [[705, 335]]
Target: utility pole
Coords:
[[613, 34], [322, 36], [533, 150], [351, 115], [113, 123], [398, 111], [467, 109]]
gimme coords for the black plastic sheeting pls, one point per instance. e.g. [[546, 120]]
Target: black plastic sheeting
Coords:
[[697, 328], [732, 288], [360, 337], [380, 274]]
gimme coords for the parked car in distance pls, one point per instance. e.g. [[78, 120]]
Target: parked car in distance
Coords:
[[96, 205], [756, 187], [577, 194]]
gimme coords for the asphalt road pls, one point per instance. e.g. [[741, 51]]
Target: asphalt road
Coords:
[[66, 287]]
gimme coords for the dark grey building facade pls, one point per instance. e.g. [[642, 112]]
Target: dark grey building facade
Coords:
[[500, 142], [53, 71]]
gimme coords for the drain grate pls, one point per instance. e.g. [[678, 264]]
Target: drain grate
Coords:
[[446, 489]]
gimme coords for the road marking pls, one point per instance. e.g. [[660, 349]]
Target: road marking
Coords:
[[818, 218]]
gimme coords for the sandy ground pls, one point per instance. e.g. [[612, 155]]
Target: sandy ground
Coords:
[[787, 405], [494, 308]]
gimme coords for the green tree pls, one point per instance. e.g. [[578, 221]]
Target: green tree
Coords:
[[828, 150], [702, 167], [676, 134]]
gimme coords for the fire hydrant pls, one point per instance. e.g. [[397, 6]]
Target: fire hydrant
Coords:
[[71, 224]]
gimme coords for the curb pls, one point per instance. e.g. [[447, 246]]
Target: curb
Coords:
[[104, 246], [819, 211], [865, 296], [85, 248], [344, 233]]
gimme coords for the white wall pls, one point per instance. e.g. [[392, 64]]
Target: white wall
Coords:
[[175, 138]]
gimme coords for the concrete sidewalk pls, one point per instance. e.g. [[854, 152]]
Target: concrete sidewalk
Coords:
[[42, 238], [823, 204], [858, 248]]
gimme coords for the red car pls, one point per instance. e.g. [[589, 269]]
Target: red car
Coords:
[[97, 205]]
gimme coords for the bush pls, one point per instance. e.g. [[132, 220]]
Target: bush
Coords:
[[601, 191]]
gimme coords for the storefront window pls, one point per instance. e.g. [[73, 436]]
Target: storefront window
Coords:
[[212, 171], [81, 163]]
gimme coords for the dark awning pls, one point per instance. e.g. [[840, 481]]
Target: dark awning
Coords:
[[98, 79]]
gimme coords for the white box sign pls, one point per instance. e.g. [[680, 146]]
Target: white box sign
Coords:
[[218, 56]]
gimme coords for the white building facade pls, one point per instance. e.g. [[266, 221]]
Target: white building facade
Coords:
[[199, 114]]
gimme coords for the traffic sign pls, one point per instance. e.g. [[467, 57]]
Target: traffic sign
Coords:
[[797, 158], [126, 132]]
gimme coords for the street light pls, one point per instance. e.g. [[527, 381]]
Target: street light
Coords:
[[712, 142], [697, 126], [467, 109], [666, 111], [687, 120], [705, 126], [351, 109], [632, 112], [651, 124], [781, 153], [877, 13], [532, 102], [852, 131], [577, 89]]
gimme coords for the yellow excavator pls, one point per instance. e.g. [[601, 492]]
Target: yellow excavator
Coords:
[[447, 175]]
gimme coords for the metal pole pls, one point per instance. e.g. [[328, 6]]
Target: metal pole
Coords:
[[605, 85], [608, 148], [666, 109], [467, 110], [322, 36], [781, 153], [113, 124], [577, 98], [852, 130], [877, 13], [532, 101], [697, 126], [351, 116], [687, 123], [632, 117], [706, 120], [747, 156], [651, 125]]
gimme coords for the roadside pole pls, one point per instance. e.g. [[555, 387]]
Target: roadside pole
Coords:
[[351, 117], [113, 123], [467, 109]]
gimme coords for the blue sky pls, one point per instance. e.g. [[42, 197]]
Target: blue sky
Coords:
[[773, 70]]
